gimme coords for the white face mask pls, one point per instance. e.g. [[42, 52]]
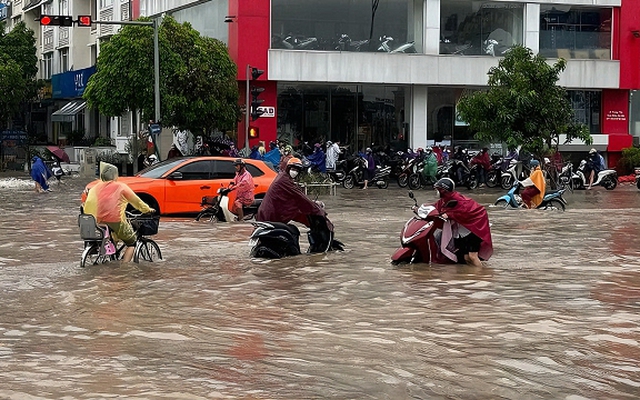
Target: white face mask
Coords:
[[437, 193], [293, 173]]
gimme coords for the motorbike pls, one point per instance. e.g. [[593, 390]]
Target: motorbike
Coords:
[[217, 208], [294, 42], [339, 173], [408, 168], [346, 44], [420, 236], [607, 178], [565, 180], [517, 171], [637, 172], [356, 176], [275, 240], [403, 48], [469, 174], [552, 200]]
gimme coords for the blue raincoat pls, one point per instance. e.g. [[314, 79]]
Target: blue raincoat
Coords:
[[40, 172]]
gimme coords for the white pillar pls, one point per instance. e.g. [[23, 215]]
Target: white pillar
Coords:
[[431, 27], [419, 120], [531, 37]]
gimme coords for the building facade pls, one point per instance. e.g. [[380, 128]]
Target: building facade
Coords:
[[390, 74]]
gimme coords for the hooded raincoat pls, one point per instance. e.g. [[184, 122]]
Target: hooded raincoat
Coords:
[[40, 172]]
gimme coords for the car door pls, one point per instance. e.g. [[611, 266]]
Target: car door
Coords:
[[184, 192], [223, 172]]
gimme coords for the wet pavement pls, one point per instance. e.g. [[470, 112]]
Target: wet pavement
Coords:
[[554, 315]]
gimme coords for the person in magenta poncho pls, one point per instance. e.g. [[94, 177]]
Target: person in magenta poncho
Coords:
[[285, 201], [469, 226], [243, 185]]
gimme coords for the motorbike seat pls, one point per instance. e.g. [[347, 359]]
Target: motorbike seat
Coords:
[[288, 227]]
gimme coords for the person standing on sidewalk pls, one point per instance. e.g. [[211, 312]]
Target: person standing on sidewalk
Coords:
[[370, 170]]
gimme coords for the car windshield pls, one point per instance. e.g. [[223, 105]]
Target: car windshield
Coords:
[[159, 169]]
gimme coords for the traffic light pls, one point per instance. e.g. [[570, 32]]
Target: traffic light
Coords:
[[56, 20], [84, 20], [255, 102], [254, 132], [255, 73]]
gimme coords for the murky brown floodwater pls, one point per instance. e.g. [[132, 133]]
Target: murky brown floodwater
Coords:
[[555, 314]]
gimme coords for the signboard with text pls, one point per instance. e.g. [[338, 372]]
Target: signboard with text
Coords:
[[269, 112]]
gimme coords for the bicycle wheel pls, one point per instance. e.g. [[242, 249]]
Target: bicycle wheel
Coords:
[[90, 255], [147, 250]]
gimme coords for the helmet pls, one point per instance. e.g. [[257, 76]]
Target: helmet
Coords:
[[294, 162], [446, 184], [239, 161], [368, 150], [317, 145], [592, 151], [329, 143], [420, 149], [429, 148], [153, 157], [288, 148], [534, 163]]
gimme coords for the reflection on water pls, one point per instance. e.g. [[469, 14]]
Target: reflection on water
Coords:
[[554, 314]]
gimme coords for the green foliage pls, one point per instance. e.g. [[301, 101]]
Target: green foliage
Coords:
[[523, 105], [18, 68], [198, 86], [102, 141], [76, 136], [111, 157], [629, 160]]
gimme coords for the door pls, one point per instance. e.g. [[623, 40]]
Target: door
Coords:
[[184, 195]]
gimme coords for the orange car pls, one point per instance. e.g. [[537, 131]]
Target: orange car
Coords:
[[177, 185]]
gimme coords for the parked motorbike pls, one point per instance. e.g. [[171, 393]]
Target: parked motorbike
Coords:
[[217, 208], [552, 200], [277, 240], [469, 174], [607, 178], [340, 172], [517, 171], [403, 48], [420, 236], [408, 168], [637, 172], [346, 44], [356, 176], [565, 180]]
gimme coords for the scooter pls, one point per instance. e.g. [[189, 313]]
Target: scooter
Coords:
[[346, 44], [552, 200], [216, 208], [516, 172], [637, 172], [356, 176], [275, 240], [339, 173], [403, 48], [607, 178], [420, 236]]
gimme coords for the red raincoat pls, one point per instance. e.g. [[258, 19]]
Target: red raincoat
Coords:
[[472, 216]]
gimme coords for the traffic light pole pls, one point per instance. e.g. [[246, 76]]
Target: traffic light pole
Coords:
[[248, 110]]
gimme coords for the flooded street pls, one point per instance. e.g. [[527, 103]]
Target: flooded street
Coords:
[[554, 315]]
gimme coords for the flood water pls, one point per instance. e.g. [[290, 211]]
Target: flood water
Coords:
[[554, 315]]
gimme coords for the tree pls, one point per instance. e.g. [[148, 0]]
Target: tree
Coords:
[[198, 87], [18, 69], [523, 106]]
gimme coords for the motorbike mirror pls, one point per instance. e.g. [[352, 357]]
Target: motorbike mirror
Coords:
[[451, 203], [411, 194]]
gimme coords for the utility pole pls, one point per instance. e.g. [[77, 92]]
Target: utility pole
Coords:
[[248, 109]]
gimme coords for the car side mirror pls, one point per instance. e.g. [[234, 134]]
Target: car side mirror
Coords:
[[175, 176], [451, 203]]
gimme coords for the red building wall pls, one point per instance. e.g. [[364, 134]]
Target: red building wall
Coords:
[[626, 45], [249, 41]]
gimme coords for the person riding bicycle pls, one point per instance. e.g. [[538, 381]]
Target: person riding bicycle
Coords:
[[285, 201], [107, 202], [243, 184]]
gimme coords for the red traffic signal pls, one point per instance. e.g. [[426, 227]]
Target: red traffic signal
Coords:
[[84, 20], [56, 20]]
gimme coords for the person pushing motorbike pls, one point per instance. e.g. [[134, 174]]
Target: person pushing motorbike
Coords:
[[285, 201], [468, 236]]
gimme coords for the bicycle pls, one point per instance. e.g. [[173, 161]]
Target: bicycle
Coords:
[[99, 246]]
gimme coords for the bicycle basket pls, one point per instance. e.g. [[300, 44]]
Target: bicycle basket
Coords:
[[147, 225], [89, 230]]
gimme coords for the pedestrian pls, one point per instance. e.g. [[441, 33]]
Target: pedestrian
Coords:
[[483, 160], [57, 171], [40, 173], [466, 237], [370, 167], [174, 152], [333, 154]]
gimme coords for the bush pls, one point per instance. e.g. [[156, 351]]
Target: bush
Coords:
[[102, 141], [630, 159]]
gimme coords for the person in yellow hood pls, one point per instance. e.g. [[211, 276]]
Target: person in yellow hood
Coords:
[[107, 201], [534, 186]]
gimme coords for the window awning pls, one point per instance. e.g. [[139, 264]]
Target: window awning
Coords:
[[32, 5], [69, 111]]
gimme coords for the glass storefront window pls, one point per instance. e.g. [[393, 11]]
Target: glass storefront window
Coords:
[[351, 114], [469, 27], [634, 113], [575, 32], [347, 25], [586, 107]]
